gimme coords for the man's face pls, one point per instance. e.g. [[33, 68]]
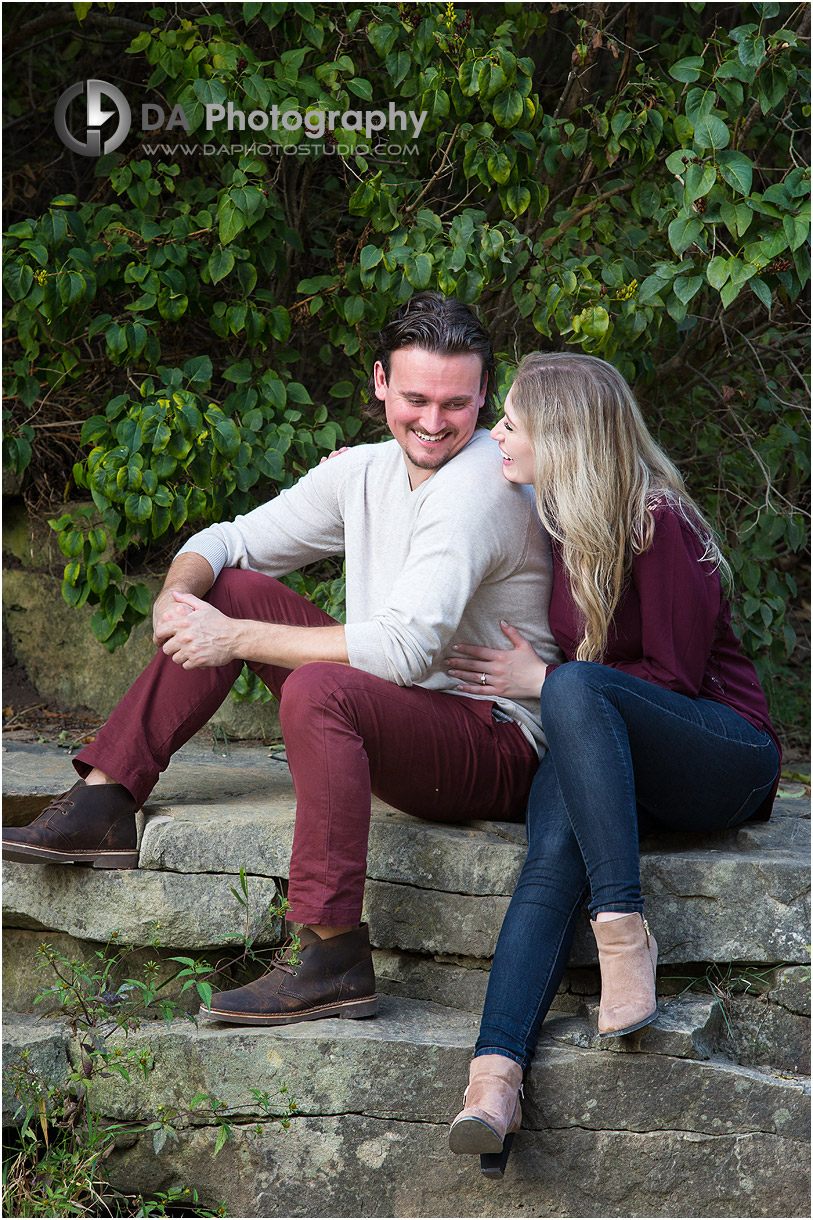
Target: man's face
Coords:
[[432, 402]]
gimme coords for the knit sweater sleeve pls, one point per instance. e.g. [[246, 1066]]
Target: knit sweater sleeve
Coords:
[[299, 526]]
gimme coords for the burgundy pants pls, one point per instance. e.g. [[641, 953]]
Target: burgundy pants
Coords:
[[347, 733]]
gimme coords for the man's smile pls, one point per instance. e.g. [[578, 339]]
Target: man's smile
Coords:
[[430, 438]]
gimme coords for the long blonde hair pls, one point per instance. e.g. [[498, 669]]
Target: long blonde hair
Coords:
[[598, 475]]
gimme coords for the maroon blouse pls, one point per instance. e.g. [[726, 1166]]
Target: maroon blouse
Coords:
[[672, 626]]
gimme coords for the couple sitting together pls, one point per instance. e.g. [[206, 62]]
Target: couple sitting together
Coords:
[[536, 627]]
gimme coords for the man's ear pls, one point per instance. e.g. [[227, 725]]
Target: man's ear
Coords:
[[379, 380], [483, 389]]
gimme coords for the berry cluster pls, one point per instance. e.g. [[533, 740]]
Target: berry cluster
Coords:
[[778, 265]]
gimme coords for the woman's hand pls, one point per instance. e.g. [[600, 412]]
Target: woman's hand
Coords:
[[513, 673], [335, 453]]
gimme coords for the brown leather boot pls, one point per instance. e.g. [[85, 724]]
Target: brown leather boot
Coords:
[[628, 956], [86, 825], [492, 1111], [327, 978]]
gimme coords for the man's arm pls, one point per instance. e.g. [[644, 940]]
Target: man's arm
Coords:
[[294, 528], [197, 635]]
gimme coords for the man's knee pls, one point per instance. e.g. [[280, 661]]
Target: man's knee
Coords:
[[312, 687], [236, 588]]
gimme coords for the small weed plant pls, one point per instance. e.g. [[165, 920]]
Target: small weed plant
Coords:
[[56, 1165]]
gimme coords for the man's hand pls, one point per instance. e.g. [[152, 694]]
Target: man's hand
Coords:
[[189, 573], [513, 673], [165, 608], [195, 634]]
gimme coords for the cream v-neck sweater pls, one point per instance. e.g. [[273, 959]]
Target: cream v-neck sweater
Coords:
[[425, 568]]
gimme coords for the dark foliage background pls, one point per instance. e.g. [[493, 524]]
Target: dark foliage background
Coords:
[[188, 330]]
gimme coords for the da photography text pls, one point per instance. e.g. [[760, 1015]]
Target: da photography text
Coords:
[[95, 137]]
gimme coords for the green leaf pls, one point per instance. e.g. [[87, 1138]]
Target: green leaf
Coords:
[[761, 290], [418, 270], [710, 132], [98, 578], [508, 107], [18, 279], [683, 232], [698, 181], [797, 229], [361, 88], [382, 36], [593, 322], [397, 66], [279, 323], [370, 257], [342, 389], [220, 264], [717, 272], [231, 224], [198, 369], [500, 166], [138, 596], [298, 393], [517, 198], [751, 49], [491, 80], [687, 70], [138, 508], [737, 170], [729, 294], [686, 287], [139, 43]]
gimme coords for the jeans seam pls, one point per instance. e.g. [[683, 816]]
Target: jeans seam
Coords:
[[562, 932], [623, 750]]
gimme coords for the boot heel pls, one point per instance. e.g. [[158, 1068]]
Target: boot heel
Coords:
[[360, 1008], [116, 859], [492, 1164]]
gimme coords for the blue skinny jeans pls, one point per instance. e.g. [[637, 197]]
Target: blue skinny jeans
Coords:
[[622, 752]]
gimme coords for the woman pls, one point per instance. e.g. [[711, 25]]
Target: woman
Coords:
[[655, 718]]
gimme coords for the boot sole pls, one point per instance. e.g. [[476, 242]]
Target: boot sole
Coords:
[[344, 1008], [472, 1135], [19, 853], [630, 1029]]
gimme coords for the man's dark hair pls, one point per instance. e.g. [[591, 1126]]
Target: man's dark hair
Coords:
[[438, 324]]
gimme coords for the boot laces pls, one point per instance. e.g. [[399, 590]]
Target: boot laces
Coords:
[[60, 804], [279, 960]]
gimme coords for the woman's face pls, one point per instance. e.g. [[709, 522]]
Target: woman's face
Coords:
[[515, 446]]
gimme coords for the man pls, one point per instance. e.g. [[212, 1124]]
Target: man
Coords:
[[439, 547]]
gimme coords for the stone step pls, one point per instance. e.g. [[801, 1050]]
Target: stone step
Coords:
[[374, 1097], [742, 895]]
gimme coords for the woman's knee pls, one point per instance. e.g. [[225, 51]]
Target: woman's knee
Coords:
[[571, 689]]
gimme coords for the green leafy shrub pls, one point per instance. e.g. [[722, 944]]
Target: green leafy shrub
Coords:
[[629, 181]]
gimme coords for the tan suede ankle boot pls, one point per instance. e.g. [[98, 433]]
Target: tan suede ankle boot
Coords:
[[628, 956], [492, 1111]]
